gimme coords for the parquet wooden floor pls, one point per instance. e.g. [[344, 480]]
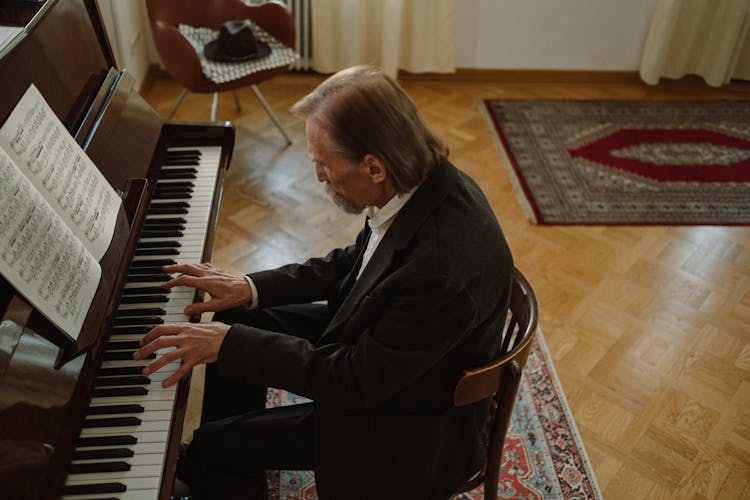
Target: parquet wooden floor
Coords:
[[649, 327]]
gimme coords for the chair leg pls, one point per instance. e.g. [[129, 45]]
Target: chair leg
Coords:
[[214, 103], [236, 101], [270, 113], [177, 104]]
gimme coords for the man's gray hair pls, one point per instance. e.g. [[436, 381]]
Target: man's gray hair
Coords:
[[366, 112]]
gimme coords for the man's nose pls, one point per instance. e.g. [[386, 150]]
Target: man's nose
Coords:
[[320, 172]]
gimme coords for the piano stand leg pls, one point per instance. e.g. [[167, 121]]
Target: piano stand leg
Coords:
[[236, 101]]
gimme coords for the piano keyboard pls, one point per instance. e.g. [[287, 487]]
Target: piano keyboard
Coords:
[[121, 449]]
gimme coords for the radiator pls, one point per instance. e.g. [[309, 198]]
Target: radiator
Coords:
[[301, 9]]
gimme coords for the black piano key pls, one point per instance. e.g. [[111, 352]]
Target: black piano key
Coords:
[[143, 299], [123, 356], [92, 423], [175, 195], [174, 187], [95, 467], [182, 161], [119, 345], [114, 409], [121, 381], [148, 226], [172, 228], [150, 278], [130, 330], [173, 184], [178, 174], [159, 244], [150, 311], [146, 290], [93, 489], [164, 220], [157, 251], [151, 263], [119, 391], [156, 271], [171, 153], [170, 176], [120, 370], [104, 453], [166, 211], [145, 321], [116, 440], [162, 233], [172, 204]]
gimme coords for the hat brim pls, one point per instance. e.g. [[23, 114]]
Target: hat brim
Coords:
[[212, 52]]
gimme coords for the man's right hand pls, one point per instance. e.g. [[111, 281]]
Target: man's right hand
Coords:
[[226, 290]]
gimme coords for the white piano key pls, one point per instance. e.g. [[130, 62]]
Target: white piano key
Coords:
[[144, 478]]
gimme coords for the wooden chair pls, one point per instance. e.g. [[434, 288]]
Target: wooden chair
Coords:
[[499, 380], [182, 62]]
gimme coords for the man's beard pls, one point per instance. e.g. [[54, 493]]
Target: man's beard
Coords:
[[340, 202]]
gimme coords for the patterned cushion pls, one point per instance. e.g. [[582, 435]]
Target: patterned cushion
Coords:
[[222, 72]]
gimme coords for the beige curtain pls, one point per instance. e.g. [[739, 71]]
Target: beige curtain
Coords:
[[414, 35], [710, 38]]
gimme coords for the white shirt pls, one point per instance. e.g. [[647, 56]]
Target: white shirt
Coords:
[[379, 221]]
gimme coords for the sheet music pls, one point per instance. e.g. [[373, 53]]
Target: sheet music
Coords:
[[40, 256], [62, 172]]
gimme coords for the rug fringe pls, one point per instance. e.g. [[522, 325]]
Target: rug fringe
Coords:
[[564, 402], [505, 160]]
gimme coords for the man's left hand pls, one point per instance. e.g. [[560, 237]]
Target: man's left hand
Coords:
[[194, 343]]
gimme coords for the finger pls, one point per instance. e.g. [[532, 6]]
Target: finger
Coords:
[[160, 330], [191, 269], [161, 361], [179, 374], [213, 305], [185, 280]]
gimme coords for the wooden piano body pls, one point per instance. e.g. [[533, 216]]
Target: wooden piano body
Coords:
[[46, 380]]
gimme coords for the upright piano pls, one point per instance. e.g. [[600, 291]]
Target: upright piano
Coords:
[[77, 418]]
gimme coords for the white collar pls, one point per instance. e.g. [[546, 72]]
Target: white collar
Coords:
[[378, 217]]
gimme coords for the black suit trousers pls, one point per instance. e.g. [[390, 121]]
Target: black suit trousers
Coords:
[[239, 439]]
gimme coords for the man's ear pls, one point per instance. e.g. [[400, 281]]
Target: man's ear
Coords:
[[375, 169]]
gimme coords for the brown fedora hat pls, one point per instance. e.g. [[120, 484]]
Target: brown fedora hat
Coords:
[[236, 42]]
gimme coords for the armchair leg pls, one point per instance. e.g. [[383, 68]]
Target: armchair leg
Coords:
[[270, 112], [214, 103], [177, 104], [236, 101]]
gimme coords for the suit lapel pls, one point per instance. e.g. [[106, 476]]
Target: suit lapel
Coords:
[[408, 221]]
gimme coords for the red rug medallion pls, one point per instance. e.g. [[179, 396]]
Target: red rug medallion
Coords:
[[626, 162]]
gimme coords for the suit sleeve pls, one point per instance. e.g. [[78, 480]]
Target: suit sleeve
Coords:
[[420, 324], [308, 282]]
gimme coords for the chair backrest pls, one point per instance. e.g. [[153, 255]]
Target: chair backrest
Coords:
[[176, 53], [499, 379]]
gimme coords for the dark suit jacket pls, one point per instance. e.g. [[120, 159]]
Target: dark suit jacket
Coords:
[[430, 303]]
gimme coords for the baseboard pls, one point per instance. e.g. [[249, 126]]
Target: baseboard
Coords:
[[526, 75], [154, 72]]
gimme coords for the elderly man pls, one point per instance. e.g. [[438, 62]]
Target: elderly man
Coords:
[[421, 295]]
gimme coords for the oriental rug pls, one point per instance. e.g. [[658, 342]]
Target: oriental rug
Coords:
[[627, 162], [543, 457]]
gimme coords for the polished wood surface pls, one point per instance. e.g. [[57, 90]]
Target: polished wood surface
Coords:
[[649, 327]]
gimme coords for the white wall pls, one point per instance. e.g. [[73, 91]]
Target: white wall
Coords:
[[129, 35], [605, 35]]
